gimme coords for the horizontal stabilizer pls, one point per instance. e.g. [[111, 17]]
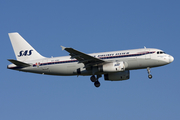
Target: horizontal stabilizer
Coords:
[[18, 63]]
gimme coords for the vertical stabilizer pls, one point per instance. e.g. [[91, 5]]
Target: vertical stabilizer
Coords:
[[22, 49]]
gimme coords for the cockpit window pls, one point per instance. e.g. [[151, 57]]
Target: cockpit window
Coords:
[[160, 52]]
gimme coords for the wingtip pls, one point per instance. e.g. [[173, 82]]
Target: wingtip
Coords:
[[63, 47]]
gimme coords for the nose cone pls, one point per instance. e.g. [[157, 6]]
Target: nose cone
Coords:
[[171, 59]]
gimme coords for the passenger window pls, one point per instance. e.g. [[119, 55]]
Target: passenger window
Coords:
[[158, 52]]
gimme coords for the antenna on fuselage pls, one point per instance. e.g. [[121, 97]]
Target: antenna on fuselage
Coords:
[[144, 47]]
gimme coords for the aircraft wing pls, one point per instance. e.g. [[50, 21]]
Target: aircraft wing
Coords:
[[82, 57]]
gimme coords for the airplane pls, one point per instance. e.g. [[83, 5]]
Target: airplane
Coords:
[[114, 65]]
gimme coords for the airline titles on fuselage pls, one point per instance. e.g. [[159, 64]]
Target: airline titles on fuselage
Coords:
[[113, 54]]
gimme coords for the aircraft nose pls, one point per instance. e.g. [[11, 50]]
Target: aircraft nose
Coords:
[[171, 59]]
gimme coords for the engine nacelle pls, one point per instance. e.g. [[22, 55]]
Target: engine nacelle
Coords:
[[117, 76], [112, 67]]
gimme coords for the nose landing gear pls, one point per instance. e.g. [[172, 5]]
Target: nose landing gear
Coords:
[[95, 80], [149, 76], [149, 73]]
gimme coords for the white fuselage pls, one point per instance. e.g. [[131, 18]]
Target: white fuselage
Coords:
[[65, 66], [115, 65]]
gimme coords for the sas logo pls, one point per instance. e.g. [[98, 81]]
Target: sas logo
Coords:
[[25, 53]]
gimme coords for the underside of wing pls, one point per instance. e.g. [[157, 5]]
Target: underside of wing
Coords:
[[88, 60]]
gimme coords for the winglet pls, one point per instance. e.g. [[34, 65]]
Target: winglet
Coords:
[[63, 47]]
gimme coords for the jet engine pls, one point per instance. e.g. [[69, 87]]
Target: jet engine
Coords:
[[117, 76]]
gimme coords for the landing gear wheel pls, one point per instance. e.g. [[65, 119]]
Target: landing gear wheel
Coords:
[[93, 78], [149, 73], [150, 76], [97, 83]]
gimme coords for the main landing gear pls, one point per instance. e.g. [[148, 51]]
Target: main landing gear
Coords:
[[95, 80], [149, 73]]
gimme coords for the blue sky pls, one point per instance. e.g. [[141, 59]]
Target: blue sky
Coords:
[[90, 26]]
